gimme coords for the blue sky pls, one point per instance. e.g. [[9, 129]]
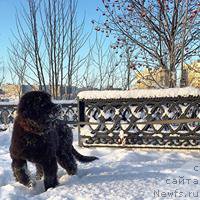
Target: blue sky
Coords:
[[7, 19]]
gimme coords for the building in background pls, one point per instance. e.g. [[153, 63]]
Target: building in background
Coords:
[[14, 92], [11, 91], [193, 73], [157, 78], [160, 78]]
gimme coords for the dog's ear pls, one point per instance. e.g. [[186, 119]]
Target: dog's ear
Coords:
[[24, 114]]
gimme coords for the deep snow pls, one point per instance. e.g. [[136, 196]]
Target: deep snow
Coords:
[[132, 174]]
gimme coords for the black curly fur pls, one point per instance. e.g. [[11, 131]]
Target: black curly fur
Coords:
[[39, 137]]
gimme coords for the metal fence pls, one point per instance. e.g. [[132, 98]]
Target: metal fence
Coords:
[[153, 123], [8, 112]]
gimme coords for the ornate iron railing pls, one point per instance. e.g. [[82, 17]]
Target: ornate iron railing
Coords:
[[8, 112], [155, 122]]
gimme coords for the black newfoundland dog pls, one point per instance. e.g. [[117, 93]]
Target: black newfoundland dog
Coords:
[[41, 137]]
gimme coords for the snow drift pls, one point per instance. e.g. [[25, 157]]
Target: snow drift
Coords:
[[131, 174]]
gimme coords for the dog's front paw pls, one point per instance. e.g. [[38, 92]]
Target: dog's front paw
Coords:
[[31, 184], [50, 182], [38, 176]]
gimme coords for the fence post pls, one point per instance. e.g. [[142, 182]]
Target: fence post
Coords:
[[81, 118]]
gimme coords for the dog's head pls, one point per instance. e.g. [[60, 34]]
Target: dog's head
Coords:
[[37, 106]]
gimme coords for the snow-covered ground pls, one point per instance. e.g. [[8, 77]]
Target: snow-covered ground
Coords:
[[131, 174]]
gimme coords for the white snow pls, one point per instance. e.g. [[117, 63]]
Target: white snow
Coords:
[[65, 101], [10, 103], [140, 93], [119, 174]]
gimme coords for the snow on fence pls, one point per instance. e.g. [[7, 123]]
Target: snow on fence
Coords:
[[163, 118], [8, 112]]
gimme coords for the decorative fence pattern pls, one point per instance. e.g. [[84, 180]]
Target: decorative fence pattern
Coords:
[[156, 122], [143, 122], [8, 112]]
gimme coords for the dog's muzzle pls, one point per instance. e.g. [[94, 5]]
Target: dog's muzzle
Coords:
[[56, 112]]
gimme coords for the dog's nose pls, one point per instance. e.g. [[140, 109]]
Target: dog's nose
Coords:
[[58, 108]]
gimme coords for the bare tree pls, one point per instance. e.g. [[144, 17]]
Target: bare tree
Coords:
[[52, 37], [166, 33], [89, 78], [18, 66], [102, 66], [2, 70]]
